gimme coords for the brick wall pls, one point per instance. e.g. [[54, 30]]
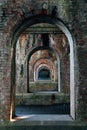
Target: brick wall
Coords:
[[74, 14]]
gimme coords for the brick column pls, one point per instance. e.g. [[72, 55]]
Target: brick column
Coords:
[[4, 79], [82, 99]]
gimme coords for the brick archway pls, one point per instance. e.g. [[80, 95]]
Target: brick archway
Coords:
[[40, 65], [42, 76], [43, 48], [52, 20]]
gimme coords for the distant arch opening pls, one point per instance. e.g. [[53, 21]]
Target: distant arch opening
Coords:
[[44, 74]]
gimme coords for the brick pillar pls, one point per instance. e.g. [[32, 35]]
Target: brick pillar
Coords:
[[82, 99], [4, 79]]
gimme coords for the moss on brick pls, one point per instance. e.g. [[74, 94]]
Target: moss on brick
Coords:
[[43, 99]]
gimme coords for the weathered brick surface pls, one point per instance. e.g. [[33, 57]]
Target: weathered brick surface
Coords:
[[12, 13]]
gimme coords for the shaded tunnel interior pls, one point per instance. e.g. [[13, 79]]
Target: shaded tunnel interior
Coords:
[[42, 62]]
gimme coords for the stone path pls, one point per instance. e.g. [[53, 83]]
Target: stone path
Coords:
[[35, 117], [43, 109]]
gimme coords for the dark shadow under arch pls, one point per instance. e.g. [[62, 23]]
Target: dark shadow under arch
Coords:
[[44, 74]]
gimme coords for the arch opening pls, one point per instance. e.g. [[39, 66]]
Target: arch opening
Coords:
[[44, 74], [61, 25], [46, 56]]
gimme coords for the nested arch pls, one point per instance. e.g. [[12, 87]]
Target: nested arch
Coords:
[[29, 57], [47, 63], [44, 73], [52, 20]]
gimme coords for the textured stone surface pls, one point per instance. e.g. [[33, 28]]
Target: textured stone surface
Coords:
[[74, 15]]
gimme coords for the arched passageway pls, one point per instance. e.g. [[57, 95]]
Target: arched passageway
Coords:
[[44, 74], [57, 22], [54, 65]]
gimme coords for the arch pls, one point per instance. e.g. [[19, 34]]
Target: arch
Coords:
[[47, 64], [44, 73], [59, 23], [42, 48]]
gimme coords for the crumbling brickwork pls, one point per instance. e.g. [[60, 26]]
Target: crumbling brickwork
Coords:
[[14, 18]]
